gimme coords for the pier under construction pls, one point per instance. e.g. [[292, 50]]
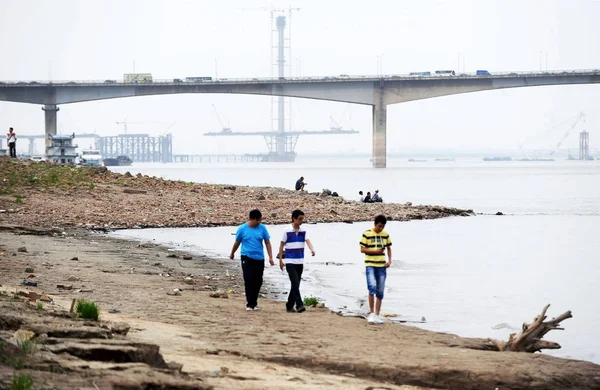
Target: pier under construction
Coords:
[[138, 147]]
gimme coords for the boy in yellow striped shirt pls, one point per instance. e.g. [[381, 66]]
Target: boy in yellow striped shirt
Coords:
[[373, 244]]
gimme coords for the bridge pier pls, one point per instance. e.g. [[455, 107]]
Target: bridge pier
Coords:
[[50, 111], [379, 135]]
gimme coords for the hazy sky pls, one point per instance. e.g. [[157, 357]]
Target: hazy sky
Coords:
[[98, 40]]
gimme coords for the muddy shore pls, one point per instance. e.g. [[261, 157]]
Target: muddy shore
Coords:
[[265, 349], [185, 318]]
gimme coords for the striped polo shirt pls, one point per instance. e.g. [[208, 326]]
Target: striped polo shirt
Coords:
[[294, 245], [372, 240]]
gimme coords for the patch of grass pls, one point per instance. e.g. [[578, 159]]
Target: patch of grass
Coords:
[[31, 179], [29, 347], [91, 186], [53, 177], [39, 306], [22, 382], [312, 301], [18, 198], [88, 310]]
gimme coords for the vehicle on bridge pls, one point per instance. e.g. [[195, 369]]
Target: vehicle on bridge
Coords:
[[445, 73], [197, 79], [419, 74], [482, 73], [137, 78]]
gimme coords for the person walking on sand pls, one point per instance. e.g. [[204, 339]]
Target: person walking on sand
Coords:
[[250, 236], [373, 244], [293, 240], [300, 184], [11, 140]]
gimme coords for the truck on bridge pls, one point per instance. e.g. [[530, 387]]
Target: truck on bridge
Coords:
[[137, 78]]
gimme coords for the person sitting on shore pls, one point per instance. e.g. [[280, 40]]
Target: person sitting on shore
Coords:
[[368, 198], [362, 197], [300, 184], [376, 198]]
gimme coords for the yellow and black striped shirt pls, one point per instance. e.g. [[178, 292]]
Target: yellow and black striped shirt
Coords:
[[372, 240]]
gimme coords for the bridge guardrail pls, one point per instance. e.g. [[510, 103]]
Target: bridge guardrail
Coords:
[[260, 80]]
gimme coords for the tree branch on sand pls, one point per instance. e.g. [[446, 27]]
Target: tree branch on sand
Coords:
[[530, 338]]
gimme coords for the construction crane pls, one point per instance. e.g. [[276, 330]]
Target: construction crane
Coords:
[[577, 119], [224, 129], [336, 125], [125, 123]]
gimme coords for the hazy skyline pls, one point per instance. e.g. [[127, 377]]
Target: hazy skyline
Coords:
[[72, 40]]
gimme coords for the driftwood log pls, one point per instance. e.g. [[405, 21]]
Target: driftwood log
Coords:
[[530, 338]]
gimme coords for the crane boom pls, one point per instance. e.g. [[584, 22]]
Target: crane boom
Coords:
[[225, 129], [579, 117]]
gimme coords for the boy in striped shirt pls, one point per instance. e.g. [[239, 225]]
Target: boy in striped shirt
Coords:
[[293, 240], [373, 244]]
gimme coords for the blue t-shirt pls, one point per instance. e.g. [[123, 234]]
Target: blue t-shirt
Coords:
[[252, 240]]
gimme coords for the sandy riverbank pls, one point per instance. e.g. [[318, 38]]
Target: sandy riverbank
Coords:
[[41, 194], [265, 349]]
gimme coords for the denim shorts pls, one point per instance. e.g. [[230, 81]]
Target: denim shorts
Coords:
[[376, 280]]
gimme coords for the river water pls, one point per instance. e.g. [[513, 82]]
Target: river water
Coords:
[[480, 277]]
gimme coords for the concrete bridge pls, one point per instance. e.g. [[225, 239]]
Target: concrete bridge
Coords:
[[376, 91]]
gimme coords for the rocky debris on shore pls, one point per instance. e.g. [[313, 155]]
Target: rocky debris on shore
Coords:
[[51, 196], [40, 346]]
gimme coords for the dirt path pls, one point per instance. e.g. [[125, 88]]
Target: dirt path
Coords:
[[268, 348]]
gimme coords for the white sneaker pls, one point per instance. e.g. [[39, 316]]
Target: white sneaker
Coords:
[[371, 318], [256, 308], [249, 309], [378, 320]]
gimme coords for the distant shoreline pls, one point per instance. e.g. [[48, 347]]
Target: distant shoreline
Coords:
[[46, 195]]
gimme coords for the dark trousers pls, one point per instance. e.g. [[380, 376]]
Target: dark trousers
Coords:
[[12, 147], [295, 273], [253, 277]]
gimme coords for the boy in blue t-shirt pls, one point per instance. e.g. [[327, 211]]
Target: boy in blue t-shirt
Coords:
[[250, 236]]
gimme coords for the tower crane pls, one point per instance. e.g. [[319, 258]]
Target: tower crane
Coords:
[[577, 119], [224, 129]]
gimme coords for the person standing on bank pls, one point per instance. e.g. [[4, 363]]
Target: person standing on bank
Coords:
[[293, 240], [373, 244], [250, 236], [11, 140]]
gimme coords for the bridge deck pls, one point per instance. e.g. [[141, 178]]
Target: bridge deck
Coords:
[[292, 80]]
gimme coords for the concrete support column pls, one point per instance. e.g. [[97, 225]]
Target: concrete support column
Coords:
[[379, 135], [50, 111], [31, 146]]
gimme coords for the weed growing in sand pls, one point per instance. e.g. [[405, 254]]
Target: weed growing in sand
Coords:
[[39, 306], [29, 347], [91, 186], [22, 382], [88, 310], [312, 301], [31, 179], [18, 198]]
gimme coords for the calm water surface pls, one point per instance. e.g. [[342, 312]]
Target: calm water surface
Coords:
[[481, 276]]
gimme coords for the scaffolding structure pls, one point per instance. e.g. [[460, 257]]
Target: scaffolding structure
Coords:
[[138, 147], [584, 146]]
